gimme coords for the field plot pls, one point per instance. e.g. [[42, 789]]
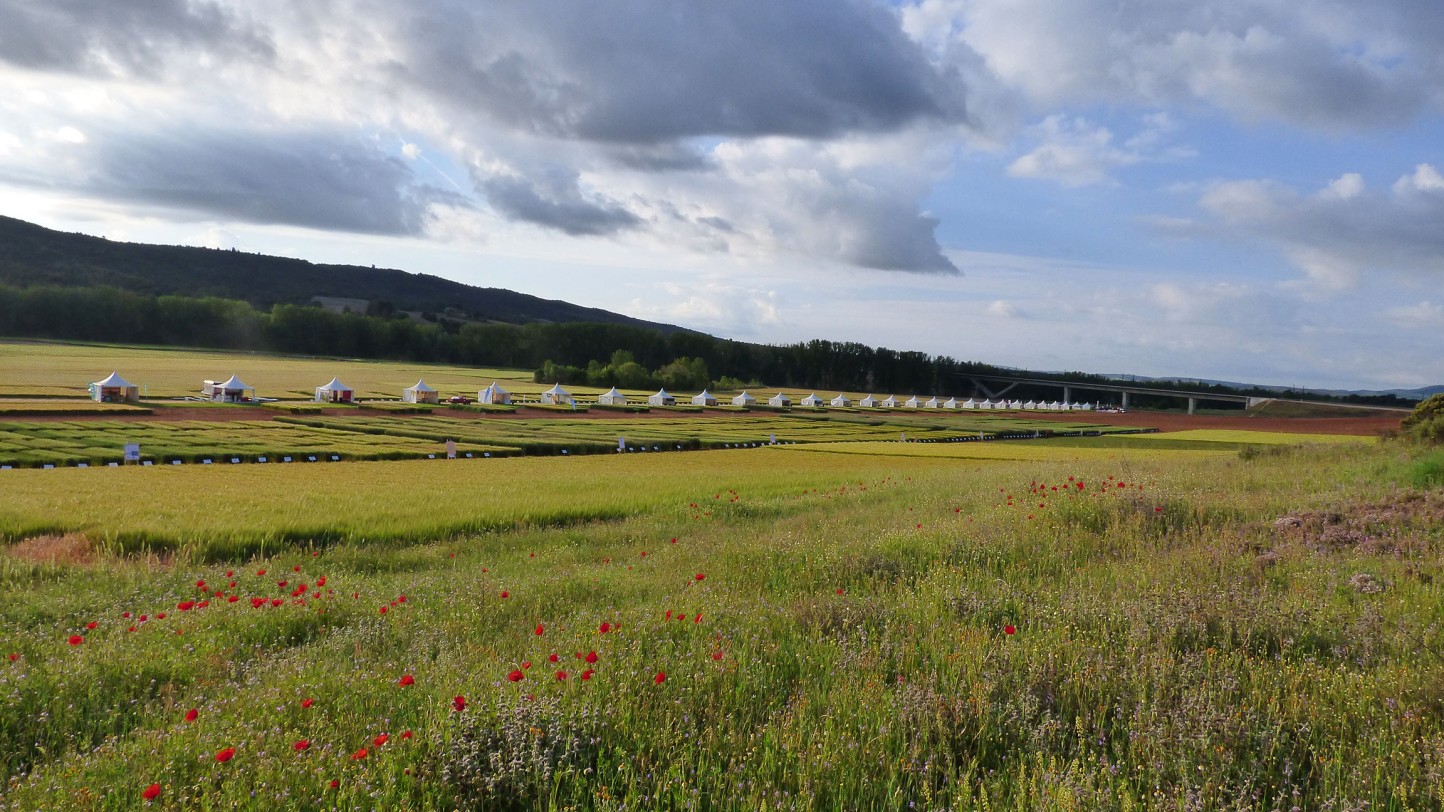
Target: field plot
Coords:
[[66, 369], [97, 442], [738, 630]]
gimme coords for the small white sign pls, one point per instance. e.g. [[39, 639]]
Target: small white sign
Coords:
[[132, 452], [451, 449]]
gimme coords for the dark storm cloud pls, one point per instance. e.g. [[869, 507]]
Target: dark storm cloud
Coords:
[[558, 204], [303, 179], [120, 37], [647, 71]]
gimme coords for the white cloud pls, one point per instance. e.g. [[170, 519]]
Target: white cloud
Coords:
[[1074, 152], [1342, 233], [1003, 310]]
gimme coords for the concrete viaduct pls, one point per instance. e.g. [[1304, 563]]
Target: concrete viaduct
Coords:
[[982, 383]]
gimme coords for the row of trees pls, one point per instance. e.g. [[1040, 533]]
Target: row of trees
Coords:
[[587, 353]]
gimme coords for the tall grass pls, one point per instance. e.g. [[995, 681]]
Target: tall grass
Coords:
[[1175, 646]]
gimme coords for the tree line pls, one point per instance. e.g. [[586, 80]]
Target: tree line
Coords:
[[595, 354]]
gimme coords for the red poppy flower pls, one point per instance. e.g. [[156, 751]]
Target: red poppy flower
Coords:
[[604, 628], [553, 658], [334, 784], [301, 745], [505, 594], [526, 664], [185, 606], [839, 590], [674, 539], [321, 581], [75, 640], [160, 615], [382, 739], [192, 714], [296, 568], [401, 599], [226, 754], [359, 754], [201, 584], [92, 624], [257, 603], [307, 702], [260, 573], [586, 675], [406, 734], [561, 675], [539, 630], [591, 657], [125, 615], [1010, 629], [660, 678], [131, 629], [459, 703], [383, 610], [276, 601], [515, 676], [151, 792], [668, 615], [698, 618], [14, 655], [406, 679], [233, 599], [699, 576], [716, 655]]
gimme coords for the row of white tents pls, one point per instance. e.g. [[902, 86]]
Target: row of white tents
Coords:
[[116, 389]]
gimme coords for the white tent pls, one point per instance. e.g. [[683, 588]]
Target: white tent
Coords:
[[557, 395], [812, 400], [114, 389], [495, 394], [420, 393], [1065, 406], [913, 403], [233, 390], [868, 402], [662, 398], [1000, 404], [1030, 405], [779, 399], [932, 403], [1087, 407], [951, 403], [1016, 404], [744, 399], [612, 397], [1055, 406], [704, 399], [890, 402], [841, 401], [334, 392], [970, 404]]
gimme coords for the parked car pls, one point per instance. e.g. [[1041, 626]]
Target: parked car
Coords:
[[458, 399]]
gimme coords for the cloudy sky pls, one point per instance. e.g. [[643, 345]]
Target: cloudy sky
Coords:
[[1249, 190]]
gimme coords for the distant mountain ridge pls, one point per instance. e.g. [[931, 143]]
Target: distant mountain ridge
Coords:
[[33, 255], [1407, 394]]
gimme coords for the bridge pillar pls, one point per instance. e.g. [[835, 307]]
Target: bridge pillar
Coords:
[[1067, 394], [1192, 405], [1125, 399]]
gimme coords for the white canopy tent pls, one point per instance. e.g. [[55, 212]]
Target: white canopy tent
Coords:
[[493, 394], [704, 399], [744, 399], [841, 401], [612, 397], [662, 398], [970, 404], [951, 403], [812, 400], [913, 403], [779, 399], [932, 403], [420, 393], [1016, 404], [114, 389], [233, 390], [557, 396], [890, 402], [869, 402], [335, 392]]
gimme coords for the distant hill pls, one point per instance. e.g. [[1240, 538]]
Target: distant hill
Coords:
[[1406, 394], [32, 255]]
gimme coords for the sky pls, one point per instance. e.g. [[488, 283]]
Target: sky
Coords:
[[1244, 190]]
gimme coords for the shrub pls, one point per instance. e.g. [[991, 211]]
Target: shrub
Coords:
[[1426, 424]]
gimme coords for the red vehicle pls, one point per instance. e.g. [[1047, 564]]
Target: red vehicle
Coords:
[[458, 399]]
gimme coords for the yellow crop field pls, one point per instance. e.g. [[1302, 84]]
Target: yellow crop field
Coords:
[[1249, 437], [1021, 450], [38, 368]]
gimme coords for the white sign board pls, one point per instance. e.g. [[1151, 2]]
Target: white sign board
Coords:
[[132, 452]]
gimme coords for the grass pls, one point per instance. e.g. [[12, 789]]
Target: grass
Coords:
[[1142, 630]]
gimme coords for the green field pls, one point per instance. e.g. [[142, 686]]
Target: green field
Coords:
[[1092, 628]]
